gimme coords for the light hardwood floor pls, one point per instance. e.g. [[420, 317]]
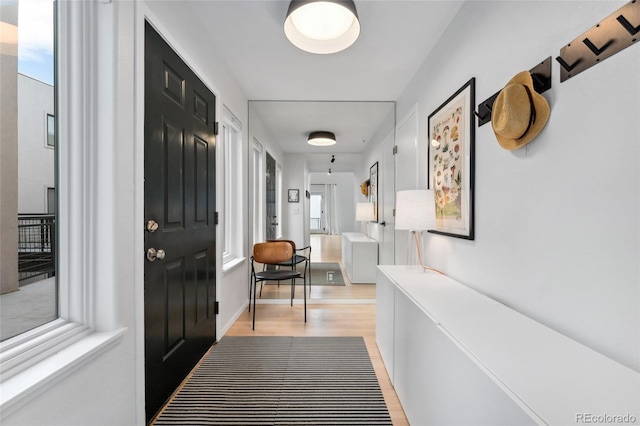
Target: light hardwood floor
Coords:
[[356, 319]]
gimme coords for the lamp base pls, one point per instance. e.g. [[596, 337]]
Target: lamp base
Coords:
[[414, 252], [365, 228]]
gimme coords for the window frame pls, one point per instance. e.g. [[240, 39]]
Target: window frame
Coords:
[[257, 190], [46, 130], [41, 357], [231, 153]]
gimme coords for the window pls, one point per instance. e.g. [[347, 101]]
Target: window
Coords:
[[232, 183], [28, 295], [51, 200], [51, 130], [26, 366]]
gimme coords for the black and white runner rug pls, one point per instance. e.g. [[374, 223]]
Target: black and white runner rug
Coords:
[[281, 381]]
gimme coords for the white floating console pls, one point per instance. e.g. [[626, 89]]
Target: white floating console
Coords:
[[456, 356], [360, 257]]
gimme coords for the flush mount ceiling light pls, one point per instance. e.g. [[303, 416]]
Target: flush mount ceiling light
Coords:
[[322, 26], [321, 138]]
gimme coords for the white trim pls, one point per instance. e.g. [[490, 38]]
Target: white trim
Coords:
[[257, 204], [230, 163], [227, 326], [27, 349], [233, 264], [23, 387]]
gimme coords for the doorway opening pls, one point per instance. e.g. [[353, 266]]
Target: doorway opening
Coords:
[[316, 213]]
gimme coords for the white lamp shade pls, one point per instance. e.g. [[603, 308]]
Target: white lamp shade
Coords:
[[364, 212], [415, 210]]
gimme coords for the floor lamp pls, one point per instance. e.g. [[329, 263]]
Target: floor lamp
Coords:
[[415, 212], [364, 213]]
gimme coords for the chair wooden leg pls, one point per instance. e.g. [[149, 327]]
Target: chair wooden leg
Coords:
[[304, 290]]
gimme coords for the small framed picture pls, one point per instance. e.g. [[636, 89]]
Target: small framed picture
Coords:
[[294, 195]]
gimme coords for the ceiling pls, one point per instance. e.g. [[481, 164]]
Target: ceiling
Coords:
[[353, 123], [396, 37]]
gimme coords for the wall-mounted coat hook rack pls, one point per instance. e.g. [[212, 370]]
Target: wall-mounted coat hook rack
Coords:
[[541, 75], [613, 34]]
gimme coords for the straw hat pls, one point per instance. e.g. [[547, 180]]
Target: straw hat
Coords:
[[519, 112]]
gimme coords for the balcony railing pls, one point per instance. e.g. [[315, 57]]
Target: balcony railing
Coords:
[[316, 223], [36, 245]]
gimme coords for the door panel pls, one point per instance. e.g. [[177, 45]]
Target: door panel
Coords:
[[179, 287], [272, 219]]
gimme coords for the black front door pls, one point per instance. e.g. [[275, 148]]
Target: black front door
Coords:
[[272, 218], [179, 210]]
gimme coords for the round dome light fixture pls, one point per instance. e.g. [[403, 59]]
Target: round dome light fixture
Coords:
[[322, 26], [321, 138]]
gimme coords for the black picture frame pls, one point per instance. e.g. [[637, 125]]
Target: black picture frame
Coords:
[[294, 195], [451, 163], [373, 189]]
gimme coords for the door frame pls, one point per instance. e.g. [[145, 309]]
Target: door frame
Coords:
[[409, 126], [144, 14]]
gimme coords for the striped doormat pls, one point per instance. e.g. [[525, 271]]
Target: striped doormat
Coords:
[[281, 381]]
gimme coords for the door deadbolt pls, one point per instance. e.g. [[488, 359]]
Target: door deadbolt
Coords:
[[152, 225], [153, 254]]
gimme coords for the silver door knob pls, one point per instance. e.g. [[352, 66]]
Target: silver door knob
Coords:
[[152, 225], [153, 254]]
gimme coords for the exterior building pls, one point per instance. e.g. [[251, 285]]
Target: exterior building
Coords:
[[36, 155]]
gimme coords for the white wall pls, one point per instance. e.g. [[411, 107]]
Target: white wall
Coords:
[[36, 166], [557, 235]]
